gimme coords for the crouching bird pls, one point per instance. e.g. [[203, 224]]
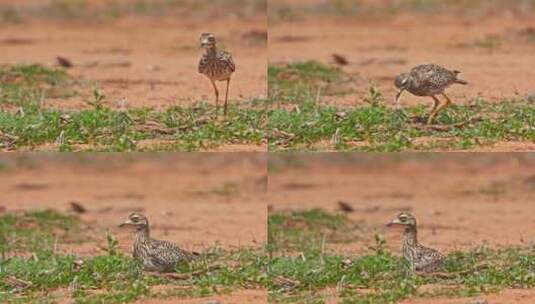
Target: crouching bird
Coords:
[[420, 258], [155, 255]]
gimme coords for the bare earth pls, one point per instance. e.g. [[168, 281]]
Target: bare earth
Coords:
[[139, 62], [195, 200], [377, 50], [460, 200], [144, 59]]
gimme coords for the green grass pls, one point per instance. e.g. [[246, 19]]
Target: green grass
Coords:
[[295, 82], [23, 84], [33, 230], [98, 127], [377, 276], [83, 10], [32, 271], [376, 10], [285, 230], [105, 129], [379, 128]]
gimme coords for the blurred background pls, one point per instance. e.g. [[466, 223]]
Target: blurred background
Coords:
[[460, 200], [196, 200], [138, 52], [490, 41]]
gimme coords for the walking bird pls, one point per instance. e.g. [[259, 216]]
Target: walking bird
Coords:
[[155, 255], [217, 65], [428, 80], [420, 258]]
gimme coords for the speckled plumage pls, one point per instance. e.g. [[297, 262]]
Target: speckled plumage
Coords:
[[421, 258], [428, 80], [217, 65], [155, 255]]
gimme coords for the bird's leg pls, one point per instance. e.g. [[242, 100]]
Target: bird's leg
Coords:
[[436, 107], [435, 103], [440, 107], [216, 97], [433, 110], [226, 98]]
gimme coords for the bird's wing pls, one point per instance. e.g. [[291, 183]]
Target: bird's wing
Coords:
[[164, 254], [430, 257], [202, 63], [228, 59]]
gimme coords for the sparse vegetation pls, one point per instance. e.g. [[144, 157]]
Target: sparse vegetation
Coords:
[[310, 80], [106, 10], [23, 84], [106, 129], [32, 126], [32, 269], [372, 9], [311, 275], [309, 125]]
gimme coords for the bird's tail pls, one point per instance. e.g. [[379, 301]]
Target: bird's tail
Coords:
[[459, 81]]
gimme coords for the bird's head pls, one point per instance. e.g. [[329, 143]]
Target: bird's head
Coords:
[[207, 40], [402, 81], [403, 219], [137, 220]]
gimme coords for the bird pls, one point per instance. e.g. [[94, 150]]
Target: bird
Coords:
[[155, 255], [420, 258], [428, 80], [217, 65]]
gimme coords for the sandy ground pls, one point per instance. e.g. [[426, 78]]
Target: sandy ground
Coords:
[[380, 48], [460, 200], [511, 296], [141, 61], [195, 200], [247, 296]]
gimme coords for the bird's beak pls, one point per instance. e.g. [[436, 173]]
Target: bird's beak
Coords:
[[398, 95], [126, 223], [394, 222]]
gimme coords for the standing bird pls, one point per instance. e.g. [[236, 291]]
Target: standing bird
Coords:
[[216, 65], [420, 258], [155, 255], [428, 80]]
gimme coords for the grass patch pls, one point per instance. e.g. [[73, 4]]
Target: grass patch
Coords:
[[300, 230], [375, 10], [295, 82], [46, 276], [34, 230], [380, 277], [375, 127], [110, 10], [104, 129], [24, 84], [101, 128]]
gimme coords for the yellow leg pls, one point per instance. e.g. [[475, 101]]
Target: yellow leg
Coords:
[[216, 97], [437, 109], [226, 98], [432, 114]]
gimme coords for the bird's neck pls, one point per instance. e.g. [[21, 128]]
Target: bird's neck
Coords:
[[142, 235], [211, 51], [410, 237]]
